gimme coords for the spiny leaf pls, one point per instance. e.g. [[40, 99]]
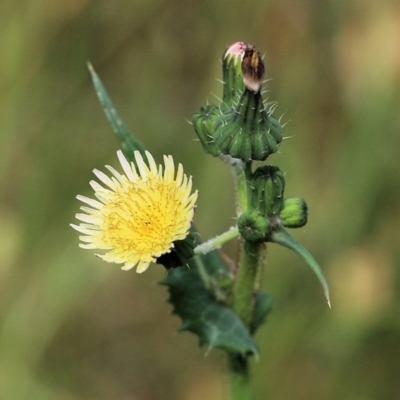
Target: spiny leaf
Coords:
[[282, 237], [197, 298], [127, 140]]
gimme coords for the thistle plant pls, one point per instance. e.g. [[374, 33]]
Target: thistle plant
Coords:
[[145, 215]]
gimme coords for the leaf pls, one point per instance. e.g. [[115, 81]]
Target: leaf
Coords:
[[197, 298], [282, 237], [127, 140]]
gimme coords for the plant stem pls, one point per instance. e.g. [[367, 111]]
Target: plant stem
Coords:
[[246, 284], [247, 280], [217, 242], [239, 378], [241, 179], [249, 266]]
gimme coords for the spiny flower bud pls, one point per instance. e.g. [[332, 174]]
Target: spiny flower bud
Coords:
[[204, 125], [247, 130], [252, 69], [294, 212], [268, 185], [253, 226], [232, 72]]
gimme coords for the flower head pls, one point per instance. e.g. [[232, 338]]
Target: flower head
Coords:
[[232, 73], [236, 50], [252, 69], [137, 216]]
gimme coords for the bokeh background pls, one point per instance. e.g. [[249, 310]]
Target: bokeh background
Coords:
[[75, 328]]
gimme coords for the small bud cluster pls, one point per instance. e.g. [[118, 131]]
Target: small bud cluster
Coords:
[[268, 208], [243, 128]]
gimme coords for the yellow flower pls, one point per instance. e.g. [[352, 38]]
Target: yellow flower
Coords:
[[139, 215]]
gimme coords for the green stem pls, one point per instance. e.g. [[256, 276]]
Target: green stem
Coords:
[[247, 280], [241, 179], [239, 378], [217, 242], [246, 284], [248, 275]]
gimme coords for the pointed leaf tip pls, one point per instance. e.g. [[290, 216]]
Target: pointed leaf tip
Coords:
[[128, 141], [282, 237]]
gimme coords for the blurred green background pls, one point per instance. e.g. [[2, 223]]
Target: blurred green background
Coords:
[[73, 327]]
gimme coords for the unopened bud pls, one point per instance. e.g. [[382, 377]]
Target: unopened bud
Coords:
[[247, 130], [232, 72], [268, 185], [252, 69], [294, 213], [204, 126], [253, 226]]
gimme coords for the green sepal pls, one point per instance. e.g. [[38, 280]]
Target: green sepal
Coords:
[[282, 237], [200, 302], [129, 144], [262, 307], [204, 125], [180, 254], [247, 130]]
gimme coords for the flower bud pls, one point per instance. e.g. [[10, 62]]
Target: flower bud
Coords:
[[253, 226], [294, 212], [247, 130], [232, 72], [268, 185], [204, 125], [252, 69]]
